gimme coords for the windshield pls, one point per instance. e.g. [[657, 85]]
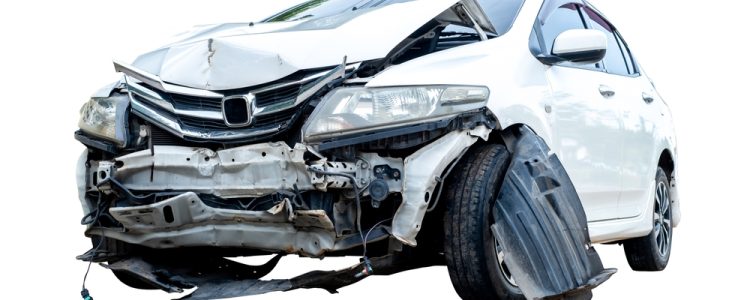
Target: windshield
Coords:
[[325, 8]]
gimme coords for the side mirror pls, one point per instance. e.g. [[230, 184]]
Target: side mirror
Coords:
[[580, 46]]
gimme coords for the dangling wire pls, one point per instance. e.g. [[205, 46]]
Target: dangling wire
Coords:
[[367, 270], [85, 292], [92, 218], [356, 195], [370, 231]]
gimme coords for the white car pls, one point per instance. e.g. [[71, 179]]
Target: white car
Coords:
[[494, 137]]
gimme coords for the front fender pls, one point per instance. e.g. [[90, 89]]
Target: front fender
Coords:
[[422, 171]]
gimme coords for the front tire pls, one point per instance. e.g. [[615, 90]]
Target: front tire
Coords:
[[651, 252], [473, 257]]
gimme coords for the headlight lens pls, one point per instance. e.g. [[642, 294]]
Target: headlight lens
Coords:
[[359, 109], [106, 118]]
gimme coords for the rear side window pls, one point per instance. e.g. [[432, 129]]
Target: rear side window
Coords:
[[615, 61]]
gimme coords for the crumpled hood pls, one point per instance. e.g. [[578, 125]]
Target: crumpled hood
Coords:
[[231, 56]]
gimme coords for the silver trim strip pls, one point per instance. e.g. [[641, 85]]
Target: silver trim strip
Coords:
[[158, 100], [156, 82], [174, 127], [286, 84]]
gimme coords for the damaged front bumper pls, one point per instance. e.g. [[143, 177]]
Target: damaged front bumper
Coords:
[[166, 196]]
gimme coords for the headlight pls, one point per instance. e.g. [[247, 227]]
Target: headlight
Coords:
[[359, 109], [106, 118]]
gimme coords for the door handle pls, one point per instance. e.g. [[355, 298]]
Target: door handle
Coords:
[[606, 91], [647, 98]]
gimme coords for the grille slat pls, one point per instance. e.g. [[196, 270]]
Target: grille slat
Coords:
[[195, 103], [203, 123], [277, 96]]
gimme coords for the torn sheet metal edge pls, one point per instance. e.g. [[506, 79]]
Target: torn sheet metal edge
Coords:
[[423, 170], [81, 181], [542, 228], [247, 171], [280, 229], [271, 237], [231, 279], [170, 274], [253, 170], [185, 210]]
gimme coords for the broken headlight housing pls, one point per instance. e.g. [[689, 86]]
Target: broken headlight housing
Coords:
[[106, 118], [360, 109]]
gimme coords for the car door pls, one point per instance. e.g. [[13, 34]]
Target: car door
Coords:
[[635, 96], [585, 119]]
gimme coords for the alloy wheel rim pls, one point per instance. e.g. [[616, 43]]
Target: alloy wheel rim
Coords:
[[662, 219], [504, 267]]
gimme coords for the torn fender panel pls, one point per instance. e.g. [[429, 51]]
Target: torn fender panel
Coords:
[[542, 227], [219, 278], [422, 171]]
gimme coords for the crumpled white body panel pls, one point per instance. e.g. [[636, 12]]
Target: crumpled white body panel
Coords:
[[232, 56]]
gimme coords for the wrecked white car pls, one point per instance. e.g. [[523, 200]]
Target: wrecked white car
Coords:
[[499, 138]]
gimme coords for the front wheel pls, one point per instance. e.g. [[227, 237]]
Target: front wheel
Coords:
[[475, 260], [651, 252]]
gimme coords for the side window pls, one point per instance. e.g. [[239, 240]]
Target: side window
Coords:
[[614, 61], [628, 55], [564, 18]]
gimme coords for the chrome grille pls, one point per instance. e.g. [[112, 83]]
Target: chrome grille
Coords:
[[196, 115]]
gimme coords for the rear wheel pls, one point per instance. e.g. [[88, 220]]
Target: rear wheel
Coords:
[[651, 252], [474, 258]]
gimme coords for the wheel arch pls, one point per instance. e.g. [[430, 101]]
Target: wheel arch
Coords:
[[667, 163], [506, 136]]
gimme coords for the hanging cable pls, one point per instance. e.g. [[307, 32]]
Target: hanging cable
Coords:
[[84, 291], [370, 231], [367, 270], [356, 195]]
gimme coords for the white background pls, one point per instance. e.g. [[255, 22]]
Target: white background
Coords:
[[54, 54]]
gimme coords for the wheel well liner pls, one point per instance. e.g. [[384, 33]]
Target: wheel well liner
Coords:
[[666, 162]]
